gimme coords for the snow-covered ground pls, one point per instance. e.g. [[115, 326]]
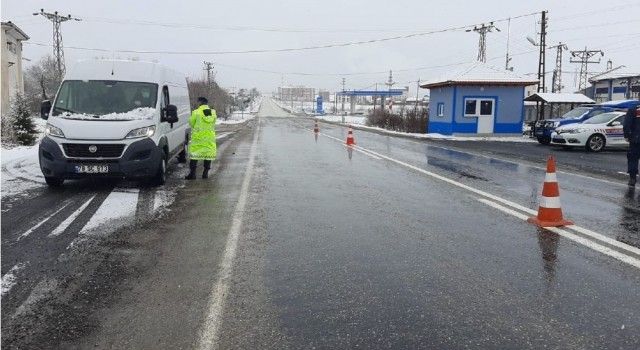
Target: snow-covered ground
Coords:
[[436, 136], [347, 119]]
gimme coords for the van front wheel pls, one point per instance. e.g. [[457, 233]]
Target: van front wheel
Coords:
[[160, 178]]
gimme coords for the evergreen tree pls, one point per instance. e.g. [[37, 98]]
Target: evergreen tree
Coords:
[[24, 128]]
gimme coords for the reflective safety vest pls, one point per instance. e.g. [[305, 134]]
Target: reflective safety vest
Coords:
[[202, 144]]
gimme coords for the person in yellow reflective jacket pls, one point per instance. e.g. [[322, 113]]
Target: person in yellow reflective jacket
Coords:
[[202, 144]]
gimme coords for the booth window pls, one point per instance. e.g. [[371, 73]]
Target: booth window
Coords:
[[476, 107], [440, 111]]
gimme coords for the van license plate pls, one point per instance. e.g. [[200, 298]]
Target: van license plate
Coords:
[[92, 169]]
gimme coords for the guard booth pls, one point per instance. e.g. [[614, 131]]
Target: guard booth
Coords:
[[352, 94], [479, 100]]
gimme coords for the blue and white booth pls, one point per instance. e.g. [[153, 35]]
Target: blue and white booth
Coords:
[[479, 100]]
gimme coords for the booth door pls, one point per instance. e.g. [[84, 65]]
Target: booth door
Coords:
[[486, 116]]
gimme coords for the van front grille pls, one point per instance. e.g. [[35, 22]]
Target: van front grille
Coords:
[[87, 150]]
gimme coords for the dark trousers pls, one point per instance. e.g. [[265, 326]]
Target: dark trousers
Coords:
[[193, 164], [633, 156]]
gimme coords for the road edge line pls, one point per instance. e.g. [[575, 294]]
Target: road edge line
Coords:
[[209, 333]]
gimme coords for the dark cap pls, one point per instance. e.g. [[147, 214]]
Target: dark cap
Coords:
[[203, 100]]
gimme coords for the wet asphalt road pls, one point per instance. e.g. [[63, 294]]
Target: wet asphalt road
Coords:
[[349, 248]]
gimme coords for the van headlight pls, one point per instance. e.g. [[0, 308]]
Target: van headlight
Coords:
[[51, 130], [147, 131]]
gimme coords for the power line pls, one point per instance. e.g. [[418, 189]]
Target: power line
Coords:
[[583, 57], [58, 51], [482, 41], [306, 48]]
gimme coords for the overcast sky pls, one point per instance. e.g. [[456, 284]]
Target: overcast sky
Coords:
[[612, 26]]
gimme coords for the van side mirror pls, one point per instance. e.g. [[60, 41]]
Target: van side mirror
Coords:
[[170, 114], [45, 108], [615, 123]]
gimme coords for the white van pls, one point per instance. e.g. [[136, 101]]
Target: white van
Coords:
[[115, 118]]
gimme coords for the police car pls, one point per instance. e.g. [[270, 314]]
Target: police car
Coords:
[[593, 134]]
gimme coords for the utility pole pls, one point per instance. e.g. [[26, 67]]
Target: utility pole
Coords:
[[417, 94], [584, 58], [482, 42], [507, 63], [542, 44], [58, 50], [543, 53], [557, 72], [208, 66], [342, 96], [390, 83]]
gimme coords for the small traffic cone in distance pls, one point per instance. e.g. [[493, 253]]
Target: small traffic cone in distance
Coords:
[[350, 139], [316, 128], [549, 210]]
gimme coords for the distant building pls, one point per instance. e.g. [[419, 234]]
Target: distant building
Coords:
[[480, 100], [614, 84], [326, 95], [12, 80], [296, 93]]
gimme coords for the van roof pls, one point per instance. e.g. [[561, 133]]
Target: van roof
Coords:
[[124, 70]]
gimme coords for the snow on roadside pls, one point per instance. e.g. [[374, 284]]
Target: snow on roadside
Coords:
[[236, 118], [436, 136], [20, 165], [348, 119]]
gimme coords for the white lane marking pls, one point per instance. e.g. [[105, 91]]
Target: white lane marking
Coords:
[[29, 231], [568, 235], [209, 334], [604, 239], [505, 160], [354, 148], [65, 224], [576, 228], [42, 290], [623, 173], [119, 209], [9, 278]]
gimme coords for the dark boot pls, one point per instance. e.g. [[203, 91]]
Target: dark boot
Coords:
[[207, 166], [193, 164], [632, 181]]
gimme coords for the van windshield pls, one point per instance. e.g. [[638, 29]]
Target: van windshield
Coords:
[[105, 98]]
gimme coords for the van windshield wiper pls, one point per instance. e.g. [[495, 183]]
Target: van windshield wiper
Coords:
[[62, 110]]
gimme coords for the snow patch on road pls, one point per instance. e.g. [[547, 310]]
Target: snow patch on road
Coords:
[[9, 278], [118, 209]]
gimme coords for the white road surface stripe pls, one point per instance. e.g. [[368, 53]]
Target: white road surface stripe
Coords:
[[522, 208], [29, 231], [65, 224], [9, 278], [209, 334], [568, 235]]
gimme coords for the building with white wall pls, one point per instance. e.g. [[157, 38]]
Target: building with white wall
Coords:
[[11, 71]]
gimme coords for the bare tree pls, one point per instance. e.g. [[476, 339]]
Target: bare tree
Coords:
[[41, 82], [218, 98]]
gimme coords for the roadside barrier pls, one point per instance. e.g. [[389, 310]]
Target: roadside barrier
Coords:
[[549, 210]]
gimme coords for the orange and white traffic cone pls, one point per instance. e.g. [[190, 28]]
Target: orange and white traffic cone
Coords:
[[549, 211], [316, 128], [350, 139]]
